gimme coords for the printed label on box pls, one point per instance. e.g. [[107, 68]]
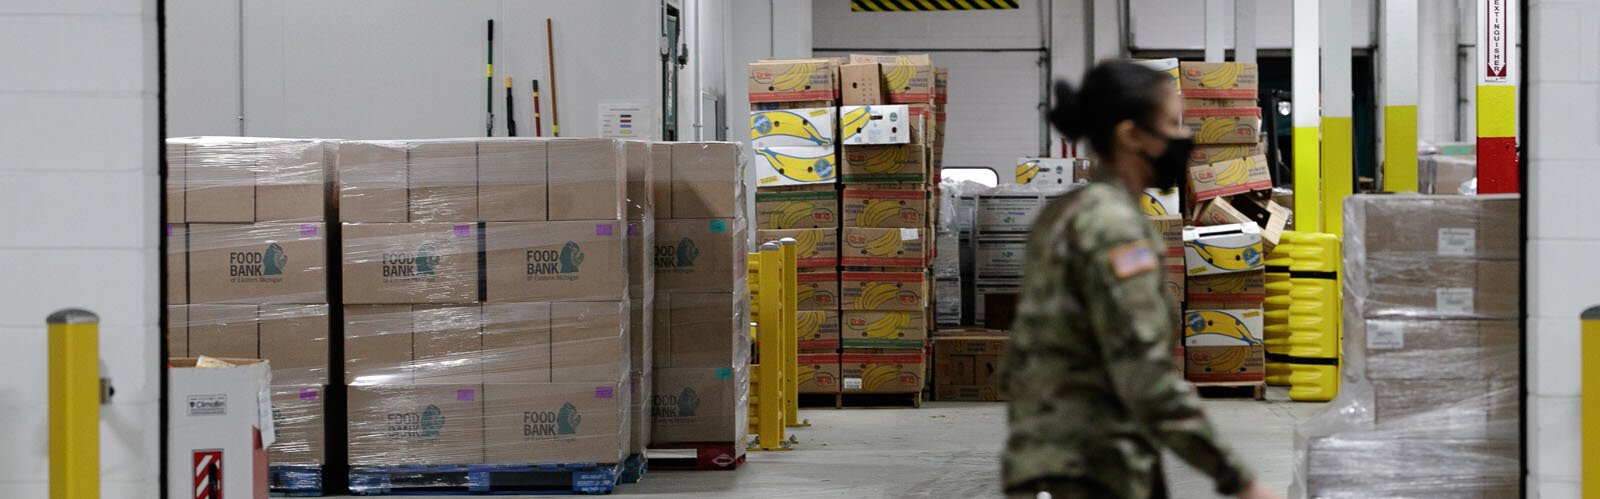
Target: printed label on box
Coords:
[[1382, 336], [1458, 242], [852, 383], [1455, 300]]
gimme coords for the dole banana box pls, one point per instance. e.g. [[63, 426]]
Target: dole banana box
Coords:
[[884, 208], [1229, 178], [443, 177], [1226, 290], [818, 290], [1222, 249], [1224, 345], [511, 180], [696, 405], [791, 80], [797, 209], [883, 329], [860, 84], [902, 248], [885, 164], [1208, 154], [1237, 125], [177, 259], [907, 78], [876, 125], [1218, 80], [817, 329], [792, 127], [555, 422], [299, 424], [819, 372], [780, 166], [1219, 211], [813, 247], [555, 261], [903, 291], [399, 263], [258, 263], [700, 255], [882, 371], [415, 424]]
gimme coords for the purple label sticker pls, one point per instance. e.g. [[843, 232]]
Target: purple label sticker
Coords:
[[309, 394], [467, 395], [169, 230], [603, 392], [602, 229], [308, 230], [463, 231], [633, 230]]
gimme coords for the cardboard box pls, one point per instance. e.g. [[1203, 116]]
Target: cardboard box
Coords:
[[555, 422], [372, 181], [1174, 280], [556, 261], [1171, 229], [819, 372], [447, 344], [875, 125], [792, 80], [589, 341], [661, 178], [885, 208], [639, 158], [1051, 172], [587, 179], [1221, 249], [906, 291], [817, 329], [295, 339], [907, 82], [1218, 80], [258, 263], [516, 343], [797, 209], [693, 405], [1239, 125], [818, 290], [392, 425], [792, 127], [1212, 290], [1224, 363], [1160, 203], [641, 259], [511, 180], [378, 344], [1430, 349], [883, 329], [173, 190], [813, 247], [1439, 287], [913, 59], [292, 180], [779, 106], [882, 371], [1224, 345], [903, 248], [224, 331], [300, 424], [219, 422], [1212, 153], [860, 84], [641, 335], [1169, 66], [1007, 213], [1229, 178], [1000, 258], [947, 301], [941, 85], [1481, 227], [640, 391], [220, 182], [410, 263], [1466, 409], [983, 289], [967, 368], [177, 331], [708, 180], [704, 330], [702, 256], [177, 260], [885, 164], [780, 166], [1219, 211]]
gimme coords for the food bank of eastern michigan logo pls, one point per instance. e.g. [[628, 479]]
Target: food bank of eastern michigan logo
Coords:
[[552, 424], [402, 265], [545, 265], [679, 256], [428, 422], [682, 405], [258, 266]]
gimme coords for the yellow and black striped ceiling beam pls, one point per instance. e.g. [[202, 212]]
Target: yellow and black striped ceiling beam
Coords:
[[929, 5]]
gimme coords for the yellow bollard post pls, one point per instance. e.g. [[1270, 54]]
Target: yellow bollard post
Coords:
[[791, 340], [769, 427], [74, 372], [1590, 404], [1276, 310]]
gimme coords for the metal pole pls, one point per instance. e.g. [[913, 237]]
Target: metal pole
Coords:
[[75, 395]]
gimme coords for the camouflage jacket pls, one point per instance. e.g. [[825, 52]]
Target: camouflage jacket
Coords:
[[1094, 395]]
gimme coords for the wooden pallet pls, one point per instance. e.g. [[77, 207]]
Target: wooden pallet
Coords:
[[861, 400], [295, 481], [633, 469], [460, 479], [707, 456], [1255, 390]]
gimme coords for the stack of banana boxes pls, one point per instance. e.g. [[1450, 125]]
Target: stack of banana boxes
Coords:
[[843, 162]]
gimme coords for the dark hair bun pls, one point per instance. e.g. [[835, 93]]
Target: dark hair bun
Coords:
[[1066, 116], [1111, 93]]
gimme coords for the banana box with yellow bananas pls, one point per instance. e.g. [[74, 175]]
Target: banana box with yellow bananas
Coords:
[[1218, 80], [1208, 154], [907, 78], [817, 290], [807, 165], [876, 125], [882, 371], [885, 164], [817, 329], [1227, 125], [1051, 172], [792, 127], [906, 291], [886, 208], [898, 248], [1232, 290], [1224, 345], [1160, 202], [819, 372], [883, 329], [797, 209], [813, 247], [1229, 178], [1222, 249], [792, 80]]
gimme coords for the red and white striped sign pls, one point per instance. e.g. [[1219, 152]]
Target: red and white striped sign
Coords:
[[208, 474]]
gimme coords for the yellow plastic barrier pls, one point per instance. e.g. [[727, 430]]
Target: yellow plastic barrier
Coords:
[[1314, 315], [772, 380], [1276, 330], [75, 395]]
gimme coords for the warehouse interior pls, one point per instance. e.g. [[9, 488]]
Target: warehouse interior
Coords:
[[290, 247]]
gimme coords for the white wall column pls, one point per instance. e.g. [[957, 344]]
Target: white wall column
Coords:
[[1244, 30], [1399, 95], [1305, 85], [1216, 30]]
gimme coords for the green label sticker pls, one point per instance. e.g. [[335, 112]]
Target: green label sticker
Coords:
[[724, 373], [719, 226]]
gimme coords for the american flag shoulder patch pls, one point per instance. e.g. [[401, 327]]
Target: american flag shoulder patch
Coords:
[[1132, 259]]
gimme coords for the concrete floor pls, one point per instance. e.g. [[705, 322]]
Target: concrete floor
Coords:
[[950, 449]]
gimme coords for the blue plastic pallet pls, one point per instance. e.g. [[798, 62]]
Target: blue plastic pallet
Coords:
[[633, 468], [459, 479], [294, 481]]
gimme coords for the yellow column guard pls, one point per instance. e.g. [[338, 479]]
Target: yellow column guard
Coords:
[[74, 373]]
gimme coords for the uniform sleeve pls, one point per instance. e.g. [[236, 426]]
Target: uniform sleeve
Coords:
[[1134, 325]]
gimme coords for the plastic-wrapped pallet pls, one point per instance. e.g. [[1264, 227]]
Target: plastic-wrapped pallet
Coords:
[[1428, 403]]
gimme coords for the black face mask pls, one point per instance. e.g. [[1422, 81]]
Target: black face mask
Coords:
[[1171, 167]]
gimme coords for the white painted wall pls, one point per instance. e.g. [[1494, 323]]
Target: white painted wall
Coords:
[[1179, 24], [1563, 231], [79, 142]]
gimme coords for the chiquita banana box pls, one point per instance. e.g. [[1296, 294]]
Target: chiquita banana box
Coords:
[[1222, 249], [875, 125], [902, 248], [1226, 125], [778, 166], [1159, 202], [1229, 178], [883, 372], [792, 127], [1218, 80], [1234, 288], [1224, 345]]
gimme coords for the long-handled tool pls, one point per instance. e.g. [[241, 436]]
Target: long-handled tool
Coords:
[[511, 113], [538, 130], [550, 45], [488, 88]]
